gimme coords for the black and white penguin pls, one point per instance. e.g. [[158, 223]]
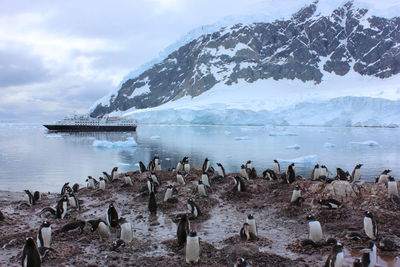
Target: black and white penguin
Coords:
[[252, 173], [369, 256], [30, 254], [155, 178], [90, 182], [102, 183], [356, 173], [152, 203], [31, 200], [249, 164], [179, 166], [387, 245], [73, 201], [201, 189], [342, 175], [151, 166], [180, 178], [357, 263], [315, 172], [246, 234], [62, 207], [384, 177], [114, 174], [157, 163], [276, 167], [206, 179], [252, 224], [36, 196], [336, 257], [151, 187], [269, 175], [330, 203], [126, 231], [324, 172], [127, 180], [182, 230], [206, 165], [111, 216], [290, 174], [392, 187], [142, 167], [239, 184], [101, 227], [107, 177], [192, 250], [64, 189], [186, 165], [168, 193], [75, 188], [295, 194], [72, 226], [315, 230], [241, 263], [220, 170], [193, 208], [243, 172], [370, 226], [44, 235]]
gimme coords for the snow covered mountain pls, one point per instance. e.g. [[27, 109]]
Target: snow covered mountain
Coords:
[[259, 73]]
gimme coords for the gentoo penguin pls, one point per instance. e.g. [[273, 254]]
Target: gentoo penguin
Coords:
[[206, 165], [107, 177], [30, 254], [30, 198], [151, 166], [179, 166], [342, 175], [249, 165], [336, 257], [330, 203], [356, 173], [192, 250], [243, 172], [90, 182], [127, 180], [315, 172], [117, 244], [152, 203], [62, 207], [155, 178], [182, 230], [126, 231], [75, 188], [387, 245], [357, 263], [102, 183], [157, 163], [205, 179], [269, 175], [180, 179], [296, 194], [142, 167], [276, 167], [315, 230], [241, 263], [220, 170], [290, 174], [72, 226], [44, 235], [252, 224], [384, 177], [370, 226], [151, 187], [73, 201], [323, 172], [252, 173], [245, 233], [239, 184], [193, 208], [114, 174], [186, 165], [168, 193], [201, 189], [369, 257], [101, 227], [111, 216], [64, 188], [392, 187]]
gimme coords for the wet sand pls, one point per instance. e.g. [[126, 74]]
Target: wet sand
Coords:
[[281, 226]]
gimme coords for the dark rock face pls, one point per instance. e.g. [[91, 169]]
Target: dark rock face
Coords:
[[300, 48]]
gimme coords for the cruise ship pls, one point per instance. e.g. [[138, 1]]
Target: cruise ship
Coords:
[[83, 123]]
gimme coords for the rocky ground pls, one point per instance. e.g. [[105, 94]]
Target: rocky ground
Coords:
[[281, 226]]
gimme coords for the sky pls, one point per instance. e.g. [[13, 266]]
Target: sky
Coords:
[[58, 57]]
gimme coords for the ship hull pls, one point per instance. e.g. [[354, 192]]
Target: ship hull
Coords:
[[89, 128]]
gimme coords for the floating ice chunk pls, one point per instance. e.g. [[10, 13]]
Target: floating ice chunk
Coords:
[[366, 143], [296, 146], [123, 164], [282, 133], [130, 142], [54, 136], [154, 137], [238, 138], [329, 145], [308, 160], [167, 159]]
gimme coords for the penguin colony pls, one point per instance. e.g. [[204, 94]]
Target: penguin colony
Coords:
[[187, 236]]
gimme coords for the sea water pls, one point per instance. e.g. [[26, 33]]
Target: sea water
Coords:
[[32, 158]]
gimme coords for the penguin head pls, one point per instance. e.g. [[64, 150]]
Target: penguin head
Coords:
[[276, 161], [242, 167], [240, 262], [248, 162], [316, 166], [323, 166], [331, 241], [103, 173], [200, 182], [297, 187], [65, 198], [250, 217], [46, 224], [321, 201], [219, 164], [27, 191], [310, 217], [359, 165], [190, 201], [368, 214], [391, 179], [337, 248], [29, 242], [193, 233], [111, 206], [115, 169], [170, 187]]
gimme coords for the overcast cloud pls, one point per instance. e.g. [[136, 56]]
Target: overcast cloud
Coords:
[[59, 57]]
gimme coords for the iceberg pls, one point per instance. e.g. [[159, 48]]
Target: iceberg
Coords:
[[296, 146], [283, 133], [239, 138], [329, 145], [130, 142], [366, 143], [308, 160]]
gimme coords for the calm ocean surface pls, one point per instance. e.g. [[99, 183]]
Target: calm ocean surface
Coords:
[[32, 158]]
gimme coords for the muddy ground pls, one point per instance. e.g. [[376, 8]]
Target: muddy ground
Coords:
[[281, 226]]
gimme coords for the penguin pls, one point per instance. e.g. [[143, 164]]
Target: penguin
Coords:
[[142, 167], [72, 226], [252, 224], [117, 244], [155, 178], [201, 189], [315, 230], [239, 184], [243, 172], [64, 188], [151, 166], [114, 174], [342, 175], [276, 167], [249, 165], [336, 257], [44, 235], [102, 183], [30, 198], [30, 254], [356, 173], [387, 245], [205, 179], [370, 226], [193, 208], [75, 188], [296, 194], [107, 177], [241, 263], [90, 182], [186, 165], [111, 216], [36, 196], [315, 172], [192, 250], [151, 187], [357, 263], [168, 192], [152, 203], [206, 165], [180, 179], [157, 163], [392, 187], [127, 180], [324, 172], [269, 175], [384, 177], [126, 231], [220, 170], [290, 174], [101, 227], [73, 201], [369, 256], [330, 203], [62, 207], [252, 173], [182, 230], [179, 166], [245, 233]]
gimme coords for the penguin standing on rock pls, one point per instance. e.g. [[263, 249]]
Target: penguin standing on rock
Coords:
[[193, 208], [114, 174], [220, 170], [101, 227], [44, 235], [330, 203], [192, 250], [151, 187], [384, 177], [206, 165], [239, 184], [356, 174], [112, 216], [142, 167], [180, 178], [315, 230], [245, 233], [73, 201], [336, 257], [168, 193], [30, 254], [151, 167], [296, 194], [290, 174], [30, 198], [342, 175], [62, 207], [243, 172], [205, 179], [127, 180], [369, 257], [370, 226], [324, 172], [315, 172], [157, 163], [126, 231], [152, 203], [276, 167], [102, 184], [155, 178], [90, 182], [201, 189], [269, 175], [252, 224], [182, 230]]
